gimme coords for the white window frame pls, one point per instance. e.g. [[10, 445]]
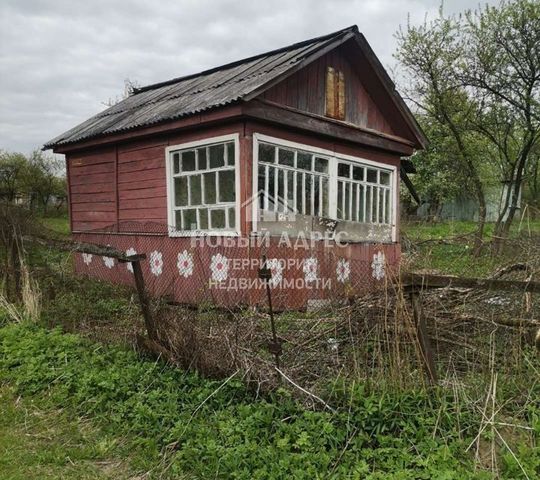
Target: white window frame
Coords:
[[334, 157], [235, 137]]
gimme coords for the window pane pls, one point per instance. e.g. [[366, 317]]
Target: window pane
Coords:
[[358, 173], [369, 192], [309, 182], [354, 210], [232, 217], [203, 218], [217, 153], [266, 153], [381, 205], [299, 192], [290, 190], [387, 209], [230, 153], [188, 161], [281, 192], [385, 178], [304, 161], [178, 220], [180, 192], [176, 163], [271, 185], [340, 201], [325, 197], [217, 218], [226, 186], [286, 157], [210, 188], [347, 213], [361, 204], [321, 165], [371, 175], [343, 170], [190, 219], [195, 185], [261, 186], [202, 158]]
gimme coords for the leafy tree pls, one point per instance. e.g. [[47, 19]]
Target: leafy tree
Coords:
[[478, 75], [13, 167], [43, 180]]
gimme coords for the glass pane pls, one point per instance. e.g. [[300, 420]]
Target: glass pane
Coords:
[[290, 191], [195, 185], [361, 204], [176, 163], [304, 161], [354, 210], [385, 178], [371, 175], [358, 173], [217, 154], [188, 161], [190, 219], [317, 202], [340, 201], [369, 191], [217, 218], [347, 201], [226, 186], [343, 170], [178, 219], [203, 218], [325, 197], [271, 192], [286, 157], [232, 217], [261, 185], [281, 192], [381, 205], [321, 165], [387, 210], [210, 188], [266, 153], [201, 152], [299, 193], [180, 192], [309, 182], [230, 153]]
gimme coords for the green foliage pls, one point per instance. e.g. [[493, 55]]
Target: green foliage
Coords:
[[227, 432]]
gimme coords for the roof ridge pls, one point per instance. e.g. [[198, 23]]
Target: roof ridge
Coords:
[[153, 86]]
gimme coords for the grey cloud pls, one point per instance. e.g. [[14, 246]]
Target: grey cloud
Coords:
[[60, 59]]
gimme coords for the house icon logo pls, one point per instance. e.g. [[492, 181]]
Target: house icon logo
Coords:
[[263, 208]]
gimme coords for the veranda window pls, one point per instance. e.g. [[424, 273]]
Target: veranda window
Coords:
[[202, 187], [306, 188]]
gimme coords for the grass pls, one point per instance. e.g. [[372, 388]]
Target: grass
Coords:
[[177, 423], [446, 247], [58, 224], [47, 443]]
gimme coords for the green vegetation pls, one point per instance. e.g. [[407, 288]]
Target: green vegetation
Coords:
[[447, 247], [180, 423], [58, 224], [42, 442]]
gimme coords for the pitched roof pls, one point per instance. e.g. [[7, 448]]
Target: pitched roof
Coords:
[[217, 87]]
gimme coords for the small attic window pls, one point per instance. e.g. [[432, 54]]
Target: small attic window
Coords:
[[335, 94]]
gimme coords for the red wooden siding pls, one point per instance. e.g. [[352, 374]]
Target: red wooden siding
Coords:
[[306, 90], [92, 189]]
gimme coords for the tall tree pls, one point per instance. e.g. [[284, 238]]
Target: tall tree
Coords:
[[502, 68], [13, 168], [430, 55]]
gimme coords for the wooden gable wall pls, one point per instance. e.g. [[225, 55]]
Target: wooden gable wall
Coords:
[[306, 91]]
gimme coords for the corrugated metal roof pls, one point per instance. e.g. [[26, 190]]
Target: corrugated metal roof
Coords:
[[192, 94]]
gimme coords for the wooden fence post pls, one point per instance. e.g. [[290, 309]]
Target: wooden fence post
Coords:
[[423, 338], [143, 297]]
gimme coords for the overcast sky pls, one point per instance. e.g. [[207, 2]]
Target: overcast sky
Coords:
[[60, 59]]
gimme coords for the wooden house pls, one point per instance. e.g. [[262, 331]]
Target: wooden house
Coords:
[[208, 173]]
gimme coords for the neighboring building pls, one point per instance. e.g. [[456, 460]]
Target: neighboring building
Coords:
[[316, 130]]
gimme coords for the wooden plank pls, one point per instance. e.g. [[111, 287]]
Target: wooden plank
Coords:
[[141, 165], [330, 94], [92, 197], [425, 281], [154, 214], [93, 216], [94, 206], [141, 184], [92, 178], [143, 193], [143, 175], [324, 126], [142, 154], [152, 202], [93, 188], [107, 167]]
